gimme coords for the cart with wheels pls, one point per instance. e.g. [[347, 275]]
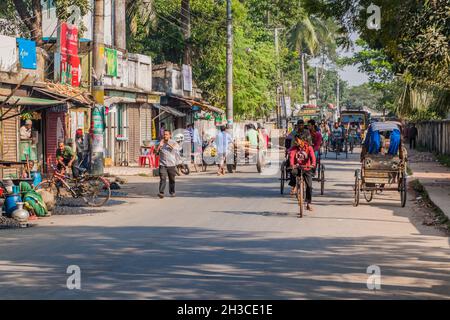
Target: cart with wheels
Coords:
[[382, 172]]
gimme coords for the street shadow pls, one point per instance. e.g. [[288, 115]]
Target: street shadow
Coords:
[[198, 263]]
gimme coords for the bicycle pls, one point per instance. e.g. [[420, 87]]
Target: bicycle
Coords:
[[300, 188], [94, 190]]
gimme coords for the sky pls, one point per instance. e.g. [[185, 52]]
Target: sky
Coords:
[[348, 73], [351, 73]]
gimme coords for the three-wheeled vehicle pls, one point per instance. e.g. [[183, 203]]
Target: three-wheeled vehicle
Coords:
[[383, 163]]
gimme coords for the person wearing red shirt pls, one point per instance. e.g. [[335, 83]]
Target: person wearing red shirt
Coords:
[[302, 155], [316, 138]]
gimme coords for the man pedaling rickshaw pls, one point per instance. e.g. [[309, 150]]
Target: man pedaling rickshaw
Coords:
[[337, 137], [302, 155], [352, 130]]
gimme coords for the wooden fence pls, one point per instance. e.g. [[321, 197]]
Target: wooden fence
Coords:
[[434, 136]]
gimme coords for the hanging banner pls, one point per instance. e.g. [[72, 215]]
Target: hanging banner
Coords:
[[8, 53], [98, 128], [111, 62], [27, 53], [67, 56], [187, 77]]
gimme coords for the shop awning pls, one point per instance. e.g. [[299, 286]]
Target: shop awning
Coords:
[[202, 104], [67, 93], [113, 100], [167, 109], [29, 101]]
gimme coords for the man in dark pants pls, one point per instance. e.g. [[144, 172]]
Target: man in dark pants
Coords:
[[302, 155], [412, 136], [168, 152]]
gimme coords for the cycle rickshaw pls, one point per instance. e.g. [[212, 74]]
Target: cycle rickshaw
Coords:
[[319, 177], [338, 147], [383, 169]]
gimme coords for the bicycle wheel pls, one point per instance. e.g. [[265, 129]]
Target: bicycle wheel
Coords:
[[356, 191], [368, 195], [322, 179], [300, 196], [96, 191], [403, 190], [282, 178]]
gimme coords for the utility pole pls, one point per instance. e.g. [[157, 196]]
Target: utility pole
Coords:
[[97, 113], [186, 27], [229, 65], [338, 106], [120, 40], [304, 78]]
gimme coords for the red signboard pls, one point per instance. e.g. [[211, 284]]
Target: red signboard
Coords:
[[70, 61]]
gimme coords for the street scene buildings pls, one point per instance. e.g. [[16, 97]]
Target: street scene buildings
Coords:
[[202, 149]]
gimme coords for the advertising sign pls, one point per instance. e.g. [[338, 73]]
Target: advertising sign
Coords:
[[27, 53], [68, 59]]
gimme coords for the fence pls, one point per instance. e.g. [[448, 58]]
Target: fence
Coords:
[[434, 136]]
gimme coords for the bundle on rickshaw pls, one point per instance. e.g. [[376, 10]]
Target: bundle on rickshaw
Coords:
[[383, 162]]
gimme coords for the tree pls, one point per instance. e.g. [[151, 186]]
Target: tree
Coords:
[[413, 38], [362, 96], [30, 13]]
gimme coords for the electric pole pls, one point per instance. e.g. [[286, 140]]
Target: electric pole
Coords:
[[186, 28], [97, 113], [338, 106], [120, 41], [229, 65]]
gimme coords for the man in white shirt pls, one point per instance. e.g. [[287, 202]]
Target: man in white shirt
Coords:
[[223, 141]]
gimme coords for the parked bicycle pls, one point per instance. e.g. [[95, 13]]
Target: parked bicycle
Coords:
[[94, 190]]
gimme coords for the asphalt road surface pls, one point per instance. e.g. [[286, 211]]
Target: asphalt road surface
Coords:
[[232, 237]]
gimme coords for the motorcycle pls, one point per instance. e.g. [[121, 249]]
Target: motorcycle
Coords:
[[182, 162]]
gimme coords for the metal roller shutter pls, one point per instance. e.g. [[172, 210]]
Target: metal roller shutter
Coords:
[[9, 150], [134, 136], [146, 122]]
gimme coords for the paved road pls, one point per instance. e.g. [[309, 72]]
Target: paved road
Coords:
[[230, 237]]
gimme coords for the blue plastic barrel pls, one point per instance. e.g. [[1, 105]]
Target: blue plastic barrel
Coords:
[[11, 203]]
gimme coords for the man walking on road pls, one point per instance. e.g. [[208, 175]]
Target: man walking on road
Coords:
[[412, 136], [223, 141], [168, 153]]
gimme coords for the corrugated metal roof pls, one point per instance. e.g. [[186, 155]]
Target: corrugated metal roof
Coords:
[[29, 101]]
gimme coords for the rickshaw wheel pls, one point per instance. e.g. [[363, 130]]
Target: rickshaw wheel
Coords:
[[368, 195], [283, 178], [403, 190], [322, 179], [356, 199], [230, 168]]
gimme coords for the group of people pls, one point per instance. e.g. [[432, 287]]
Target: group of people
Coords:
[[169, 150], [303, 145], [303, 150]]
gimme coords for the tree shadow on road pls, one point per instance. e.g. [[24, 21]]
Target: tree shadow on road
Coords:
[[198, 263]]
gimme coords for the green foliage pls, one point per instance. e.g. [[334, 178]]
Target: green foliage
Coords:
[[254, 53], [362, 96], [412, 46]]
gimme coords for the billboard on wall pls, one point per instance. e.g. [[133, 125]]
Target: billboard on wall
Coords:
[[67, 60]]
